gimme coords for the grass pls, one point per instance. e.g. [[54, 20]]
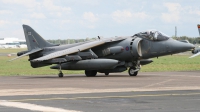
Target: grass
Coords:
[[11, 50], [22, 67], [173, 63], [166, 63]]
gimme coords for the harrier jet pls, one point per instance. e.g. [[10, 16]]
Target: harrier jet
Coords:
[[108, 55], [196, 52]]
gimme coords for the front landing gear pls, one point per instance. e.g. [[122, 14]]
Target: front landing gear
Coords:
[[132, 71]]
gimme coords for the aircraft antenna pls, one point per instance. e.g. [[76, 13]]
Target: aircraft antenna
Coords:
[[175, 31], [99, 37]]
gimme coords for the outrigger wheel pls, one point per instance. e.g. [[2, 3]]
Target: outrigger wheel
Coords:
[[60, 71], [132, 71], [60, 74]]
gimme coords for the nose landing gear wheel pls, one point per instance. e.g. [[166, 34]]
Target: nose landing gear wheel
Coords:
[[90, 73], [132, 71]]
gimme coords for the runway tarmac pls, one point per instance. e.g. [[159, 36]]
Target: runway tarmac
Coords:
[[149, 91]]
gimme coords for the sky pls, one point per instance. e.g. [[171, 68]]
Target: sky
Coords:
[[75, 19]]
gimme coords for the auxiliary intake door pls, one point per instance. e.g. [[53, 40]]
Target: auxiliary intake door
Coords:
[[135, 47]]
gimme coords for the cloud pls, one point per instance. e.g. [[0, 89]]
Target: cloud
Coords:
[[38, 15], [140, 15], [5, 12], [125, 16], [173, 7], [89, 20], [18, 33], [55, 10], [13, 33], [49, 5], [26, 21], [26, 3], [173, 14], [58, 14], [65, 21], [88, 25], [122, 16], [88, 2], [196, 12], [4, 22], [170, 17], [89, 16]]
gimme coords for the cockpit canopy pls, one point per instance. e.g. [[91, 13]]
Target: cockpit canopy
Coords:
[[154, 35]]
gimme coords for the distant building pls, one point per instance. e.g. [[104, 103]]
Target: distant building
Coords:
[[12, 42]]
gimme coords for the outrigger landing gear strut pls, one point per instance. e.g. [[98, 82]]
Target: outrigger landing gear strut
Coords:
[[60, 74]]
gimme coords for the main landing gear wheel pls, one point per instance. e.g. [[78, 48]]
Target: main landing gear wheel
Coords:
[[132, 71], [107, 73], [90, 73]]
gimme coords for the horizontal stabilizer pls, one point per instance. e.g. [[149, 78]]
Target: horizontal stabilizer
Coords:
[[28, 53], [195, 55]]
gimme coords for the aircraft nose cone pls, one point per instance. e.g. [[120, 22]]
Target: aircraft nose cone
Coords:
[[191, 46], [178, 46], [186, 46]]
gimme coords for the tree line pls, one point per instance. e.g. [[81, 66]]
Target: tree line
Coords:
[[193, 40]]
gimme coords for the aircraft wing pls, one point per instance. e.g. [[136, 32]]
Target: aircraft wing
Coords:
[[32, 51], [77, 48], [195, 55], [115, 39], [70, 50]]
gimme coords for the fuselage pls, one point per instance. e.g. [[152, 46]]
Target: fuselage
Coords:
[[108, 55], [148, 49]]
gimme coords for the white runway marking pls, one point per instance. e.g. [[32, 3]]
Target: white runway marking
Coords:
[[158, 83], [33, 107]]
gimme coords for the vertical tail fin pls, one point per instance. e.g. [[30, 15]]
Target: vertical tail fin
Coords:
[[34, 40], [198, 26]]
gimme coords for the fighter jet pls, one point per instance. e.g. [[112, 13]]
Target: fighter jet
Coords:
[[105, 55], [196, 51]]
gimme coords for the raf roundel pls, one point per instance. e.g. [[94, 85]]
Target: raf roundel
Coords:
[[127, 48]]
